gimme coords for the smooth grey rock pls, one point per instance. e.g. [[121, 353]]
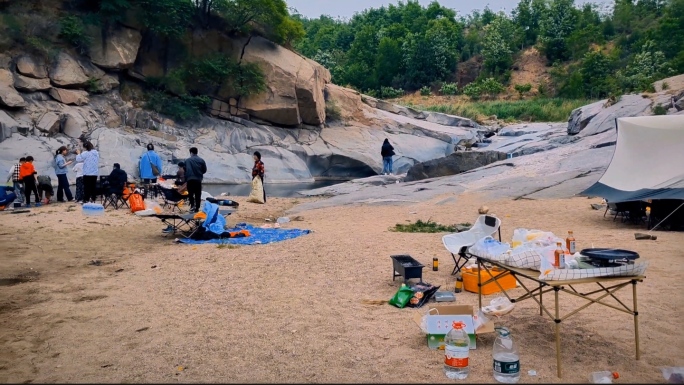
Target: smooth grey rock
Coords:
[[628, 105], [580, 117], [27, 84], [679, 104], [449, 120], [65, 96], [73, 124], [461, 228], [8, 126], [49, 123], [453, 164], [68, 71]]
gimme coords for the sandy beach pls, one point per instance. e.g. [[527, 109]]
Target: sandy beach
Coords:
[[156, 311]]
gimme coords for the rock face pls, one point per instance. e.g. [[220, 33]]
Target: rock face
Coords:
[[580, 117], [9, 97], [453, 164], [117, 49], [295, 86], [628, 105], [74, 97], [67, 71], [49, 123], [32, 67], [345, 102], [27, 84]]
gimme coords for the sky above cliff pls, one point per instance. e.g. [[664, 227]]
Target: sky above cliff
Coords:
[[347, 8]]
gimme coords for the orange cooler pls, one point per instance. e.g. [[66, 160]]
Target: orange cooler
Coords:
[[470, 280]]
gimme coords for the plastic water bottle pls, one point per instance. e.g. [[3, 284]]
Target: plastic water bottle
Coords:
[[456, 351], [506, 358], [93, 209]]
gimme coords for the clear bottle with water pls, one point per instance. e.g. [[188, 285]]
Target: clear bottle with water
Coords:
[[456, 351], [506, 358]]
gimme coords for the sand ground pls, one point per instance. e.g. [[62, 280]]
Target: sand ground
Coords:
[[292, 311]]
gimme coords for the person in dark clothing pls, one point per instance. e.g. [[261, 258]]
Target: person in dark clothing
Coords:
[[387, 152], [117, 180], [180, 174], [258, 170], [195, 168]]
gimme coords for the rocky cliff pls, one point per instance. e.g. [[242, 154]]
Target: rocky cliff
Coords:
[[49, 102]]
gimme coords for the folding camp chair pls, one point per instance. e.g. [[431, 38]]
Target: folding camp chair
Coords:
[[458, 243], [618, 208], [172, 199], [110, 196]]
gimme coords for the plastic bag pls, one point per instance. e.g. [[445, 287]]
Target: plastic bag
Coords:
[[401, 297], [498, 306], [136, 202], [490, 247], [257, 194], [479, 319], [422, 292]]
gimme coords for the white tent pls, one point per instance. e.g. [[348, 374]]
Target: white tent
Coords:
[[648, 162]]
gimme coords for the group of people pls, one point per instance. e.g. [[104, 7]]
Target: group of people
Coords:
[[189, 177]]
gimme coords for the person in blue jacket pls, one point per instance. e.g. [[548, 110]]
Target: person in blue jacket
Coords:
[[147, 173]]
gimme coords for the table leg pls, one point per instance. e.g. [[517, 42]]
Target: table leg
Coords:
[[636, 318], [479, 286], [557, 321], [541, 313]]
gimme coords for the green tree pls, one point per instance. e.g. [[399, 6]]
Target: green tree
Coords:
[[596, 73], [556, 26], [645, 67], [166, 18], [527, 15], [498, 45], [270, 16]]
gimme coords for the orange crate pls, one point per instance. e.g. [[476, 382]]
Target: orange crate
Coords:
[[470, 280]]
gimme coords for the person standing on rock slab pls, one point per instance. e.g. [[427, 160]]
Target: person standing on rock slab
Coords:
[[91, 170], [387, 153], [61, 172], [195, 168]]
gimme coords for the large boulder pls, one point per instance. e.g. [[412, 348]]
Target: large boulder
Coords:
[[31, 66], [580, 117], [628, 105], [344, 103], [449, 120], [74, 97], [27, 84], [9, 97], [49, 123], [67, 71], [294, 93], [453, 164], [8, 126], [116, 49], [73, 124], [5, 61]]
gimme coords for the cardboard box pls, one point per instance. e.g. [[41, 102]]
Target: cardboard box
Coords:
[[439, 321]]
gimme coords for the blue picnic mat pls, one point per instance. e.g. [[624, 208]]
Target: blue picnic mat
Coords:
[[257, 236]]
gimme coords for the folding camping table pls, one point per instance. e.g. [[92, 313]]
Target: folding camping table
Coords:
[[607, 287]]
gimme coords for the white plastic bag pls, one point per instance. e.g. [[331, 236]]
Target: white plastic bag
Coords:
[[498, 306], [479, 319]]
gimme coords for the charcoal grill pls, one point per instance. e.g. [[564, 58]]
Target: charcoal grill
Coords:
[[407, 267]]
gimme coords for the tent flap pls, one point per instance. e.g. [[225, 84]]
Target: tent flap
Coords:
[[647, 162]]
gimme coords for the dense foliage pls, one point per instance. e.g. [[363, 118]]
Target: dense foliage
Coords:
[[594, 52]]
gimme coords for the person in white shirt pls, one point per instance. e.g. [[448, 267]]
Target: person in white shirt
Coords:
[[78, 169]]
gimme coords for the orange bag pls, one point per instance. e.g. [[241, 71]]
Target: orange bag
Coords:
[[136, 202]]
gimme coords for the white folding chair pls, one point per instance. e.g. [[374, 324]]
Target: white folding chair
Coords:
[[458, 243]]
